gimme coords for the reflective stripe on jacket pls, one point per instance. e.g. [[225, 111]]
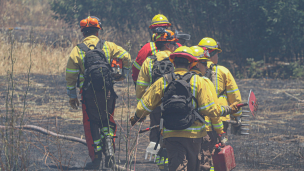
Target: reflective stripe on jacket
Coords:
[[75, 65], [207, 105], [225, 81], [148, 49], [216, 122], [145, 75]]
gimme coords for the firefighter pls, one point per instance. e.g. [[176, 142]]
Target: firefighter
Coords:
[[149, 48], [165, 41], [214, 123], [97, 116], [224, 83], [183, 146]]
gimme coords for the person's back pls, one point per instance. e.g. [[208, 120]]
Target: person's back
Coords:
[[97, 103], [225, 87]]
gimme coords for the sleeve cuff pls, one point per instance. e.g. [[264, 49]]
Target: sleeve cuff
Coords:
[[72, 93]]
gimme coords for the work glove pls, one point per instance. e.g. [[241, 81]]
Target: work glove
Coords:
[[150, 151], [231, 109], [237, 119], [74, 103], [135, 119], [234, 108], [223, 138]]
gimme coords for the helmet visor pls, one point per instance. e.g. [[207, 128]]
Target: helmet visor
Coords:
[[217, 46]]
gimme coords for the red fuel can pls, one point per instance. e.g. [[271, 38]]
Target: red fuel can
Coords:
[[223, 158]]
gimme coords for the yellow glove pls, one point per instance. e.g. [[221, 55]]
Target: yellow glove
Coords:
[[234, 108], [74, 103]]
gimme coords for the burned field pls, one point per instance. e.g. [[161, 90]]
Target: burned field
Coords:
[[275, 142]]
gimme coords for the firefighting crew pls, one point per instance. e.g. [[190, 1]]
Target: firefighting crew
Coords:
[[227, 92], [166, 43], [98, 101], [183, 146]]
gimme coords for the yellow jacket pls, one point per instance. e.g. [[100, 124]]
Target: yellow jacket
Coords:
[[144, 78], [225, 82], [214, 122], [207, 105], [75, 65]]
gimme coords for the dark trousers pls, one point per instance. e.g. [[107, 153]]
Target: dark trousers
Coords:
[[98, 113], [155, 117], [208, 143], [183, 153], [226, 126]]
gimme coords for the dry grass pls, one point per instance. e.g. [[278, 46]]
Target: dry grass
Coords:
[[17, 13], [45, 59]]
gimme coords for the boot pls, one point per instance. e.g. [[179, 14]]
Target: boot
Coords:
[[95, 164], [109, 152]]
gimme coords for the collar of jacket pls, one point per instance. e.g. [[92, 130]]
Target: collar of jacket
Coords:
[[196, 71], [162, 54], [180, 70], [91, 40], [209, 63]]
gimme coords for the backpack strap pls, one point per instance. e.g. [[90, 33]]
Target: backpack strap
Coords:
[[223, 92], [83, 47], [187, 77], [169, 77], [100, 44], [153, 57], [211, 66]]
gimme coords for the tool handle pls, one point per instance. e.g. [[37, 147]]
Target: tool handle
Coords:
[[148, 129], [241, 105], [144, 130]]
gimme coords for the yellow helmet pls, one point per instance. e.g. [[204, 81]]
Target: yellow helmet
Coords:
[[200, 53], [160, 19], [184, 52], [210, 43]]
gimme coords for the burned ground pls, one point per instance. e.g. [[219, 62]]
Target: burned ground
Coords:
[[275, 142]]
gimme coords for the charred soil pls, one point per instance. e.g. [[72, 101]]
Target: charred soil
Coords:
[[275, 142]]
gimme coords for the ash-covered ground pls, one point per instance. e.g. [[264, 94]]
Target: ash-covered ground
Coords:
[[275, 142]]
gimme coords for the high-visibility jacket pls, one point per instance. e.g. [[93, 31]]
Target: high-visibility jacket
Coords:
[[224, 81], [214, 122], [75, 65], [207, 105], [145, 75], [148, 49]]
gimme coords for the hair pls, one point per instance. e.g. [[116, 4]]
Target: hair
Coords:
[[88, 31], [195, 68], [181, 63], [160, 45]]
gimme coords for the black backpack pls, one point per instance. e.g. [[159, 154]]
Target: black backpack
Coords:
[[177, 107], [98, 72], [160, 68]]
